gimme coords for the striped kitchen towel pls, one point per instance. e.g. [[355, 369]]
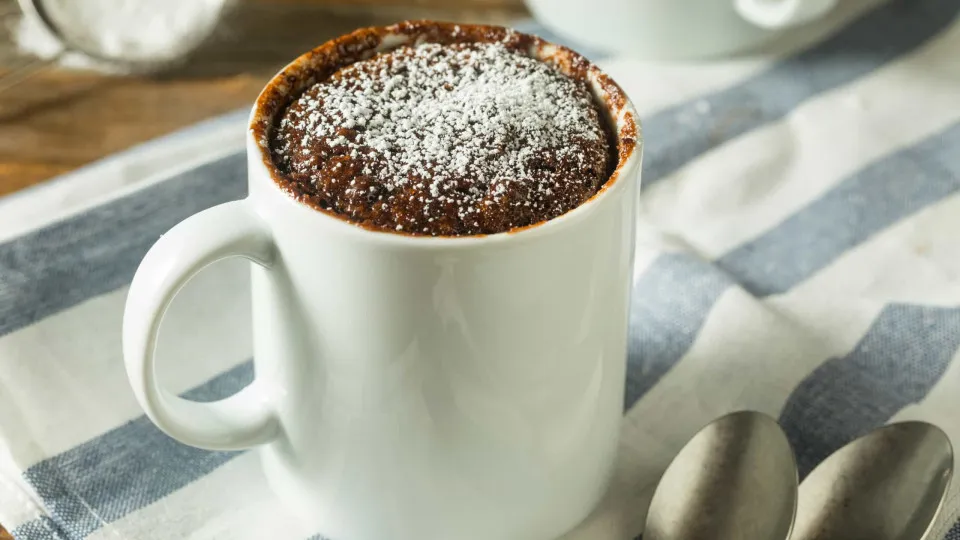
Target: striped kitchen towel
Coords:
[[798, 255]]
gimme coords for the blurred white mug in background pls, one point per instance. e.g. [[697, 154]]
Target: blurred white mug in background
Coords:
[[675, 29]]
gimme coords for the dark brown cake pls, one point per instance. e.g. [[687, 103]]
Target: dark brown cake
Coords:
[[445, 140]]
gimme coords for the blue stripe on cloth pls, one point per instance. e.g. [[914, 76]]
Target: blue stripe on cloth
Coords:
[[66, 263], [670, 302], [859, 207], [863, 204], [677, 135], [954, 533], [42, 528], [902, 356], [126, 468]]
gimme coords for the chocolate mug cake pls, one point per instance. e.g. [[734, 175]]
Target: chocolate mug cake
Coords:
[[445, 140]]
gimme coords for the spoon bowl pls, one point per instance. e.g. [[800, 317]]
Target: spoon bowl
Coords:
[[735, 480], [887, 485]]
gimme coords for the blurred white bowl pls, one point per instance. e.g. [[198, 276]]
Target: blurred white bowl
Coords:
[[675, 29]]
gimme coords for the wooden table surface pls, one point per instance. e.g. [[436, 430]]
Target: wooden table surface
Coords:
[[59, 119]]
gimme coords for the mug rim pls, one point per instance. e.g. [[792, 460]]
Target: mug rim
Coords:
[[319, 62]]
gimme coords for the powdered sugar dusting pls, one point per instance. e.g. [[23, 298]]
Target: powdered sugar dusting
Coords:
[[445, 139]]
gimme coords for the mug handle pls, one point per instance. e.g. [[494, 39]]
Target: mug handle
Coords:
[[242, 420], [773, 14]]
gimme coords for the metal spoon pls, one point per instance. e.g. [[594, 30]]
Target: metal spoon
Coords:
[[735, 480], [887, 485]]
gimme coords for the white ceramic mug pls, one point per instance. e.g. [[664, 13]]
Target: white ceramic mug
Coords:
[[412, 388], [675, 29]]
